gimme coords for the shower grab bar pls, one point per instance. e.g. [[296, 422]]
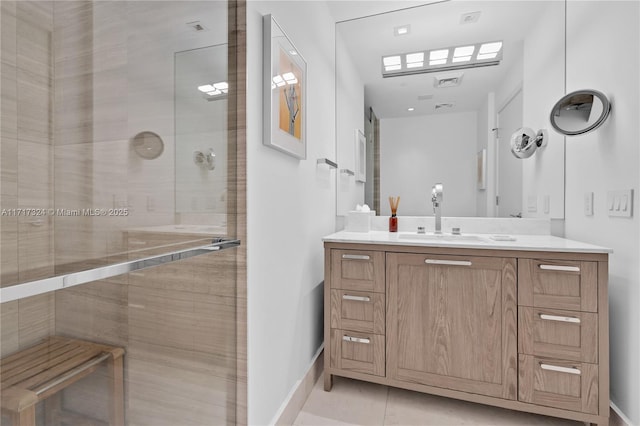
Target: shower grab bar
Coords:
[[46, 285]]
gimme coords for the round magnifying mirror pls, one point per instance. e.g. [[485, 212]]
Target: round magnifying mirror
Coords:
[[147, 145], [580, 112]]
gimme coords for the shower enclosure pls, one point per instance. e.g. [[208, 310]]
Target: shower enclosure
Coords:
[[119, 204]]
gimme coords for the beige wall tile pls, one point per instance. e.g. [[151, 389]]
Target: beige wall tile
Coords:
[[35, 248], [9, 341], [35, 175], [169, 395], [36, 316], [34, 106], [38, 13], [9, 172], [8, 250], [9, 103], [95, 312], [8, 41], [34, 63]]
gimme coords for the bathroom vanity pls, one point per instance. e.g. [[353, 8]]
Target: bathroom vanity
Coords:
[[517, 324]]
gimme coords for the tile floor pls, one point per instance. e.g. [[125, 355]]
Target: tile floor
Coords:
[[352, 402]]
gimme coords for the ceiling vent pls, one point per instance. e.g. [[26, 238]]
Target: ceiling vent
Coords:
[[444, 105], [424, 97], [448, 80]]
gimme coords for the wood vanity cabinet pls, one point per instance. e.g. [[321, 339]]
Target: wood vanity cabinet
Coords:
[[521, 330]]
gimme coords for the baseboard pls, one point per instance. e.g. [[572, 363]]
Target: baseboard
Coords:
[[292, 405], [617, 417]]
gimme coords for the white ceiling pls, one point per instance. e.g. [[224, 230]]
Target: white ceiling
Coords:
[[432, 26]]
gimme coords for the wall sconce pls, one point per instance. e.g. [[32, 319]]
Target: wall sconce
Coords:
[[524, 142]]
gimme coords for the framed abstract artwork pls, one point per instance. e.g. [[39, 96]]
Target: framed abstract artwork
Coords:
[[481, 178], [361, 156], [285, 92]]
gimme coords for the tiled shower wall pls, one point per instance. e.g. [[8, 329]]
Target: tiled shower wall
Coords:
[[26, 164]]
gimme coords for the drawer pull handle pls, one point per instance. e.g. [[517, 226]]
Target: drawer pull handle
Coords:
[[356, 298], [355, 339], [559, 318], [559, 268], [570, 370], [356, 256], [447, 262]]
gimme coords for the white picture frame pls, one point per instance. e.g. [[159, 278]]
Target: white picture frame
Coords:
[[284, 92], [360, 156], [481, 179]]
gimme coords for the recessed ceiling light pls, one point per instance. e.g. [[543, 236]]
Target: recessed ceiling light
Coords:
[[414, 60], [415, 57], [463, 51], [486, 55], [278, 80], [469, 18], [402, 30], [410, 109], [438, 54], [490, 47], [391, 60], [206, 88]]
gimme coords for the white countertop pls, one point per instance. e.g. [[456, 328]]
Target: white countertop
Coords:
[[474, 241]]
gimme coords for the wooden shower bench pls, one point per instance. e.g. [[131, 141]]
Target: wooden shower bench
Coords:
[[42, 371]]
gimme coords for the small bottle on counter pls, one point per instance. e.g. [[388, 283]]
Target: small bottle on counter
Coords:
[[393, 220], [393, 223]]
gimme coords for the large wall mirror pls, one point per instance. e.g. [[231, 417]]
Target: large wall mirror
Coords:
[[450, 125]]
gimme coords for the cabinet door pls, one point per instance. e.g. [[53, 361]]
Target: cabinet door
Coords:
[[451, 322]]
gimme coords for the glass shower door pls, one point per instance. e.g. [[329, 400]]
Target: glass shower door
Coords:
[[101, 174]]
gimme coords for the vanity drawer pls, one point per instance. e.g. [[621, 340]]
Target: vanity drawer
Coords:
[[360, 270], [357, 311], [556, 383], [358, 352], [557, 284], [560, 334]]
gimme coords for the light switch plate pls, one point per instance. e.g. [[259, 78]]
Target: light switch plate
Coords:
[[588, 203], [620, 203]]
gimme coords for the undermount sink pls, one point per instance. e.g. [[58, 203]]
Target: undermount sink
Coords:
[[439, 237]]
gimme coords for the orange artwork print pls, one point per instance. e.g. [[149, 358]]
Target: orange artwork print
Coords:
[[290, 96]]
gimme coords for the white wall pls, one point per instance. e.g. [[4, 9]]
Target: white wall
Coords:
[[602, 54], [485, 205], [543, 85], [417, 152], [291, 205], [350, 107]]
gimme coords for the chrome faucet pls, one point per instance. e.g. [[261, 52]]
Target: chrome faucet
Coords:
[[436, 199]]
